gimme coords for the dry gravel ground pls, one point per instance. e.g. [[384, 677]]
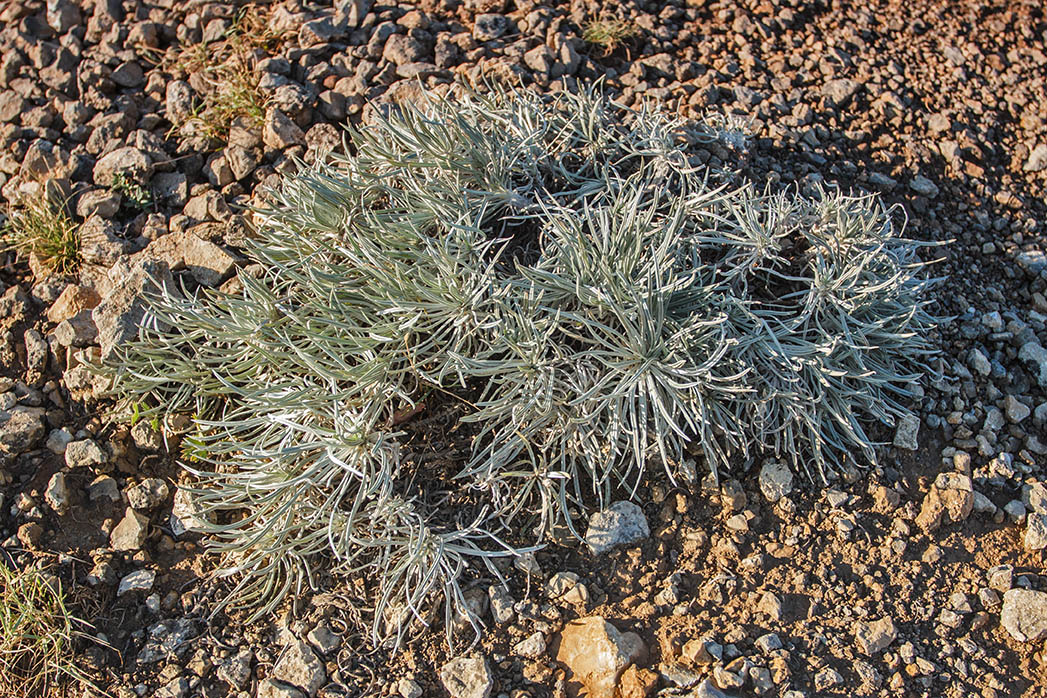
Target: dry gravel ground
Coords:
[[921, 577]]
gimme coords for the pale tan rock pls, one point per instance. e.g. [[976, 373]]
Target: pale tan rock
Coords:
[[597, 654], [467, 677], [72, 301], [637, 683], [873, 637], [1024, 614], [950, 500]]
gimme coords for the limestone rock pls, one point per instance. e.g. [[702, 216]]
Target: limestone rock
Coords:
[[21, 429], [147, 494], [467, 677], [57, 493], [300, 667], [596, 654], [186, 514], [905, 435], [873, 637], [1035, 531], [130, 533], [137, 581], [128, 161], [623, 523], [950, 500], [274, 689], [84, 453], [1024, 614], [124, 309], [776, 480], [279, 131], [207, 262]]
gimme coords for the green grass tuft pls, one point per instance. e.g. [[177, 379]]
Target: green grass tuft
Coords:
[[227, 69], [609, 34], [41, 229], [38, 635]]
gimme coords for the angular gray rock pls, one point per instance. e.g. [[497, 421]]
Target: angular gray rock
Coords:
[[146, 438], [78, 331], [138, 581], [274, 689], [21, 429], [236, 670], [299, 666], [179, 102], [84, 454], [186, 515], [841, 91], [488, 27], [104, 487], [57, 493], [279, 132], [1017, 411], [1035, 531], [130, 533], [467, 677], [623, 523], [57, 441], [501, 604], [167, 640], [322, 638], [1034, 354], [99, 242], [923, 186], [874, 636], [209, 264], [147, 494], [907, 431], [1024, 614], [124, 309], [776, 480], [130, 162]]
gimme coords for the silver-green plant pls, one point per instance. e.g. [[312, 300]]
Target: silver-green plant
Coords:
[[567, 274]]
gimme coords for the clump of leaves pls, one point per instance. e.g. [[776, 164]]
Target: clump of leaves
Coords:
[[586, 296], [37, 635], [609, 34], [134, 193], [42, 230]]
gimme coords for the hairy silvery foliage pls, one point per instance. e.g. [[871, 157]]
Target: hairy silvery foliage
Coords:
[[567, 275]]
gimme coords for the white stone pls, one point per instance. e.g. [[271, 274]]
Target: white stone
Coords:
[[84, 453], [57, 493], [531, 647], [300, 667], [1024, 614], [467, 677], [623, 523], [139, 580], [776, 480], [907, 431], [1036, 532]]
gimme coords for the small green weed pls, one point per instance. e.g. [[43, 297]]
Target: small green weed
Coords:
[[134, 193]]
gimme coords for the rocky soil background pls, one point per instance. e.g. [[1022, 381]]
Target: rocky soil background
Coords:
[[923, 576]]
